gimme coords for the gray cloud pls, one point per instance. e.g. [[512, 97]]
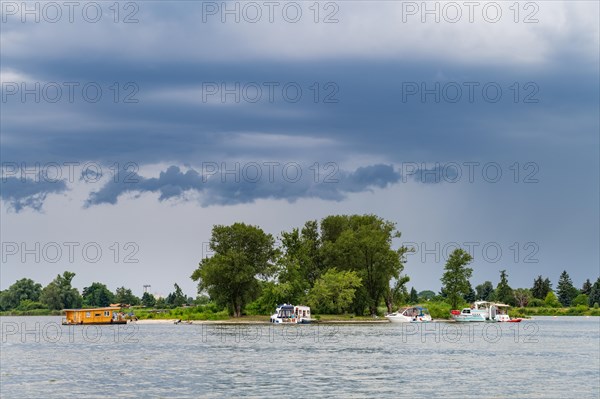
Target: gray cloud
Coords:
[[246, 186], [29, 193]]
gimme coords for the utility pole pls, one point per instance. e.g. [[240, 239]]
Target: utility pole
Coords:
[[146, 286]]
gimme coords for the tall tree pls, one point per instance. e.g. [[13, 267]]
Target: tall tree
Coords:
[[300, 264], [362, 243], [586, 289], [414, 297], [541, 288], [595, 294], [565, 290], [176, 298], [397, 293], [59, 294], [504, 293], [485, 291], [97, 295], [242, 255], [456, 276]]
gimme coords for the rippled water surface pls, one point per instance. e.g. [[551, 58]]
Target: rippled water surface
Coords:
[[541, 358]]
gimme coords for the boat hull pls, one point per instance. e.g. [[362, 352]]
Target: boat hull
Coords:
[[405, 319], [98, 323]]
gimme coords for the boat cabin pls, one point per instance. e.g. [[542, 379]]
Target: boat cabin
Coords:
[[108, 315], [302, 312]]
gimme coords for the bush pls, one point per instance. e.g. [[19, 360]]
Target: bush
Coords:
[[552, 301], [581, 299], [30, 305], [536, 303], [439, 310]]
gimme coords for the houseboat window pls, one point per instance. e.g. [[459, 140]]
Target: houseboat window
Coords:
[[87, 314], [97, 315], [106, 313]]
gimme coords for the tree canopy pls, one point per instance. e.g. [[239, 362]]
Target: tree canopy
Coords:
[[59, 294], [565, 290], [97, 295], [504, 293], [243, 254], [455, 281], [541, 287]]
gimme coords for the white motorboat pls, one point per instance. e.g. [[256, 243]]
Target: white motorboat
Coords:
[[290, 314], [478, 312], [415, 314], [484, 311]]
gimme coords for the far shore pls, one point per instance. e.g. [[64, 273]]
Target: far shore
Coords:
[[242, 321]]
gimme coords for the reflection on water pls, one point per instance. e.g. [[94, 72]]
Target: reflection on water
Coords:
[[542, 358]]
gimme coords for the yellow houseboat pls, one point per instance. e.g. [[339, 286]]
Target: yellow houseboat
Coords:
[[109, 315]]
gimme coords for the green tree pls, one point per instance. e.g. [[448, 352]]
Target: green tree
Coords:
[[242, 255], [595, 294], [160, 303], [427, 295], [300, 264], [565, 290], [176, 298], [471, 296], [22, 290], [586, 289], [504, 293], [522, 297], [396, 294], [334, 291], [125, 296], [455, 280], [362, 243], [148, 300], [551, 300], [59, 294], [485, 291], [541, 287], [97, 295], [414, 297]]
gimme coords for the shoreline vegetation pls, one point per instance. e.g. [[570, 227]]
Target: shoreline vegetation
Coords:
[[345, 267], [188, 314]]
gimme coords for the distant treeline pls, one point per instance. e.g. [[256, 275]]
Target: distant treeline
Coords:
[[342, 264]]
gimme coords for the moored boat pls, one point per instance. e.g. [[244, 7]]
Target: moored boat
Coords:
[[290, 314], [107, 315], [502, 315], [416, 314], [482, 311]]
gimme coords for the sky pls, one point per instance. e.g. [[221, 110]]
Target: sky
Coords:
[[128, 131]]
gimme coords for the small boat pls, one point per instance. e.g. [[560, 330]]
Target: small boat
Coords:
[[502, 315], [290, 314], [416, 314]]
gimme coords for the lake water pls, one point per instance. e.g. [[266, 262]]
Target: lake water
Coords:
[[541, 358]]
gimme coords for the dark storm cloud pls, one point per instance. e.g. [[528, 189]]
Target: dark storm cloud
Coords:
[[230, 189]]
